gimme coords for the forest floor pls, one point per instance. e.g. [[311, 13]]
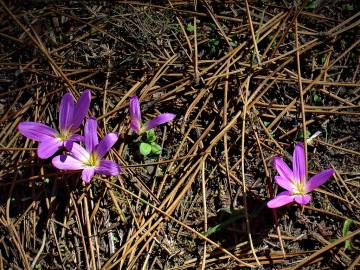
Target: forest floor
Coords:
[[247, 80]]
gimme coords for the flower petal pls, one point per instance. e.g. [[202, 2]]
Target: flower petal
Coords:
[[108, 167], [66, 111], [80, 153], [134, 108], [284, 183], [319, 179], [135, 114], [68, 145], [76, 138], [299, 164], [302, 199], [87, 174], [91, 138], [159, 120], [281, 199], [67, 163], [81, 109], [135, 126], [105, 144], [48, 147], [36, 131], [283, 169]]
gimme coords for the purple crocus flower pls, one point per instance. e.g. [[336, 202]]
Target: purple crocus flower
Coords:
[[89, 159], [294, 181], [135, 117], [70, 118]]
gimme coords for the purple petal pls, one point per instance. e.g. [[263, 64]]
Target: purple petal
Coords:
[[299, 164], [81, 109], [48, 147], [76, 138], [135, 114], [68, 145], [134, 108], [67, 163], [319, 179], [36, 131], [135, 126], [87, 174], [66, 111], [284, 183], [283, 169], [91, 138], [78, 152], [159, 120], [281, 199], [105, 144], [108, 167], [302, 199]]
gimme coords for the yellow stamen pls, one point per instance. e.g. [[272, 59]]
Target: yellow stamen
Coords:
[[64, 135], [93, 160], [299, 188]]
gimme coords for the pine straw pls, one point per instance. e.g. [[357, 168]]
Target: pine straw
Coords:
[[245, 80]]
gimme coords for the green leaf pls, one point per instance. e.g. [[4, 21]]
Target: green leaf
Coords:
[[292, 35], [225, 210], [266, 123], [213, 230], [322, 58], [219, 227], [145, 148], [155, 148], [150, 136], [301, 134], [345, 231], [212, 26], [190, 28], [348, 7], [233, 43], [317, 99], [310, 5]]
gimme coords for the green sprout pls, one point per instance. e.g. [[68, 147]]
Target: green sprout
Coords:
[[345, 232], [148, 143], [149, 146], [190, 28]]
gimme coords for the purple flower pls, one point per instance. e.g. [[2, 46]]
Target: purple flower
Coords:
[[70, 117], [294, 181], [135, 117], [89, 159]]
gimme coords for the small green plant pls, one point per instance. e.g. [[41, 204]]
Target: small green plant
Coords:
[[322, 58], [149, 146], [213, 44], [233, 41], [345, 232], [148, 143], [316, 99], [232, 216], [190, 28], [311, 5], [348, 7], [300, 135]]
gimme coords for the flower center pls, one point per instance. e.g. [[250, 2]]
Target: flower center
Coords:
[[299, 188], [93, 160], [64, 135]]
